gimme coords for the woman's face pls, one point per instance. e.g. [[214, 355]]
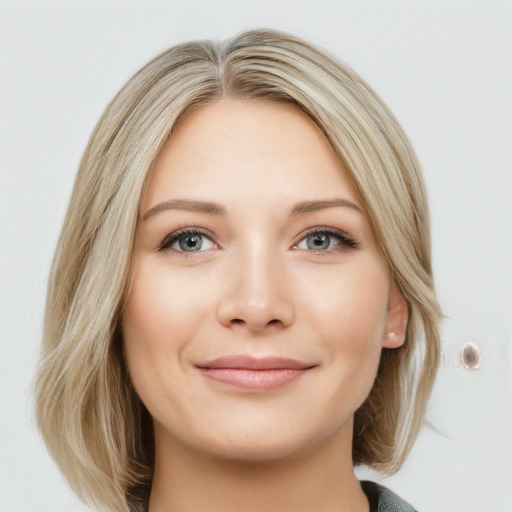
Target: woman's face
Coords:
[[260, 302]]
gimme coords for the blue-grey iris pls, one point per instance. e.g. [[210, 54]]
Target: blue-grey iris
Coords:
[[190, 243], [318, 242]]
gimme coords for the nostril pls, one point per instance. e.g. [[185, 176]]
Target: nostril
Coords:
[[240, 322]]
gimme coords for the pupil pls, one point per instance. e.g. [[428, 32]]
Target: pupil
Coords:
[[191, 242], [319, 242]]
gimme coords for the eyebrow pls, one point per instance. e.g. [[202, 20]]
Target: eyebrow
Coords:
[[217, 209], [185, 204], [313, 206]]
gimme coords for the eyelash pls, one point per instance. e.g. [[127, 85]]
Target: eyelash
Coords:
[[173, 237], [343, 238]]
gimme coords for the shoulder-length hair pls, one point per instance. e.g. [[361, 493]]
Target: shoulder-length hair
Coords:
[[94, 424]]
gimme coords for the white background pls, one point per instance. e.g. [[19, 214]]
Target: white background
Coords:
[[444, 67]]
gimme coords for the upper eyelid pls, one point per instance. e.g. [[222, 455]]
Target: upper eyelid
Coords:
[[324, 229]]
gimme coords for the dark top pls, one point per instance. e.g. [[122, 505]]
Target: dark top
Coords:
[[383, 500]]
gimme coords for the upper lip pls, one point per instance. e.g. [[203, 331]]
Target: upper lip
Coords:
[[254, 363]]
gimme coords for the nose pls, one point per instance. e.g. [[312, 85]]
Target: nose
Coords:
[[257, 296]]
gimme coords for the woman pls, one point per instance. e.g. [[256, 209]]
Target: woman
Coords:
[[241, 306]]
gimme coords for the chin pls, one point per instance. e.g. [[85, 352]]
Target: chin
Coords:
[[267, 441], [257, 450]]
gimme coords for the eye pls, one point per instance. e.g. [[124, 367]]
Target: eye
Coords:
[[188, 240], [326, 240], [318, 241]]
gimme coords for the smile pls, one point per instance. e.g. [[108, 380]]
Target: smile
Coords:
[[257, 374]]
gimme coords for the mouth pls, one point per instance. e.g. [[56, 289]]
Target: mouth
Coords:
[[255, 373]]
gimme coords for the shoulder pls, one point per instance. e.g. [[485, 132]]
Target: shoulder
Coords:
[[383, 500]]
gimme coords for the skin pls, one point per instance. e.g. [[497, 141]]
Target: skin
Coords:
[[260, 287]]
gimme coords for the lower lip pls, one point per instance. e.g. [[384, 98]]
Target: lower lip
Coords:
[[254, 379]]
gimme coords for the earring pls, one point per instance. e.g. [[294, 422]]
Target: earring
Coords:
[[395, 338]]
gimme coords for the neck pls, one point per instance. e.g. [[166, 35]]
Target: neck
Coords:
[[318, 479]]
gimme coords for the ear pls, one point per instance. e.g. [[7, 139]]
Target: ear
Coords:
[[396, 323]]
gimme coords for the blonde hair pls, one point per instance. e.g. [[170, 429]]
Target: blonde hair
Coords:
[[94, 424]]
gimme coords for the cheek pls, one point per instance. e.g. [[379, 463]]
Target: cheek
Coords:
[[162, 312], [350, 306], [161, 303], [350, 313]]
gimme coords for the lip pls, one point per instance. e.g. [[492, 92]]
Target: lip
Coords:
[[255, 373]]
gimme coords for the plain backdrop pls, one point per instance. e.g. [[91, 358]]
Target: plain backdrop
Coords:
[[444, 68]]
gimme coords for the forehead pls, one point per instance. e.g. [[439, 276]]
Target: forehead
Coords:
[[253, 146]]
